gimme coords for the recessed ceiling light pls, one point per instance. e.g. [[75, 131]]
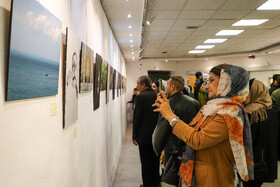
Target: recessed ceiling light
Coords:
[[132, 53], [166, 60], [250, 22], [229, 32], [131, 45], [130, 34], [196, 51], [131, 41], [270, 5], [129, 26], [206, 58], [129, 15], [204, 46], [126, 0], [132, 49], [209, 41]]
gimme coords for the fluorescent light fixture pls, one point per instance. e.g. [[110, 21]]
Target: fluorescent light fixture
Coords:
[[270, 5], [141, 50], [196, 51], [131, 41], [250, 22], [229, 32], [204, 46], [129, 15], [130, 35], [214, 41], [129, 26], [131, 45]]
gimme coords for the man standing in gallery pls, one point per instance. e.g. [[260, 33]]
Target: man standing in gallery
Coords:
[[144, 123], [186, 109]]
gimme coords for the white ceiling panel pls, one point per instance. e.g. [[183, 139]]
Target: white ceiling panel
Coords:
[[231, 14], [242, 4], [204, 4], [179, 24], [166, 4], [262, 14], [196, 14], [164, 14], [162, 23]]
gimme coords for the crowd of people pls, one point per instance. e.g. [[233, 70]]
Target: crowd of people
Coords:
[[223, 133]]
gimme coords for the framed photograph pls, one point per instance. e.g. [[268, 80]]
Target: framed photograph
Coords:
[[104, 79], [34, 57], [97, 82], [86, 68], [71, 83]]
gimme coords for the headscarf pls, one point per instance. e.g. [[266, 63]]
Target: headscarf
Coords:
[[231, 92], [260, 101]]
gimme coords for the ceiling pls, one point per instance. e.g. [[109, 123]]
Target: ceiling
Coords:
[[181, 25]]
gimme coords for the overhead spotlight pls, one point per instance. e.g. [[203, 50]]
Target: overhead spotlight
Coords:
[[141, 50], [149, 21], [146, 42]]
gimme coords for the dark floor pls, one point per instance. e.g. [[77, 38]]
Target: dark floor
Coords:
[[128, 172]]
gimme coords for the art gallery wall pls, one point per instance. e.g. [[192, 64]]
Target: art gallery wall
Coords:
[[35, 149], [262, 67]]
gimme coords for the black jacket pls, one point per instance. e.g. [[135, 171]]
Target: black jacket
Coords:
[[265, 145], [144, 119], [273, 88], [186, 109]]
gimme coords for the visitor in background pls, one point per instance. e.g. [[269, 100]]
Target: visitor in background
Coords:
[[265, 130], [155, 86], [275, 84], [186, 109], [144, 123]]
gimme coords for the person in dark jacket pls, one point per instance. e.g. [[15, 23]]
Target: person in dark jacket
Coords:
[[275, 84], [144, 123], [265, 129], [133, 96], [186, 109]]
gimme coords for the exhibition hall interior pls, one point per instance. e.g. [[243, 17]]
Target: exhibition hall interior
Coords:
[[69, 67]]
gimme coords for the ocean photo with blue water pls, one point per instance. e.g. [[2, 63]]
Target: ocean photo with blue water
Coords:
[[31, 77], [34, 51]]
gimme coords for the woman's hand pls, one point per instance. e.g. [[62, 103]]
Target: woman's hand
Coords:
[[163, 106]]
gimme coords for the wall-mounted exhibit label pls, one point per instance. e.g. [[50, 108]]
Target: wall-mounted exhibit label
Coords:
[[53, 109], [75, 132]]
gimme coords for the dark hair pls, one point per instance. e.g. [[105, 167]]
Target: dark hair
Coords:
[[251, 82], [217, 70], [135, 89], [197, 74], [156, 83], [178, 81], [145, 79], [276, 77]]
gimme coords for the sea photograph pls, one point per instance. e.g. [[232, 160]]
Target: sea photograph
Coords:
[[34, 51]]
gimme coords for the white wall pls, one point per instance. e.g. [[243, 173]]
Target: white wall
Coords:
[[262, 67], [35, 150]]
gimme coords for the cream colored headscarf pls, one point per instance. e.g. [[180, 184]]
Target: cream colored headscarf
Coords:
[[260, 102]]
